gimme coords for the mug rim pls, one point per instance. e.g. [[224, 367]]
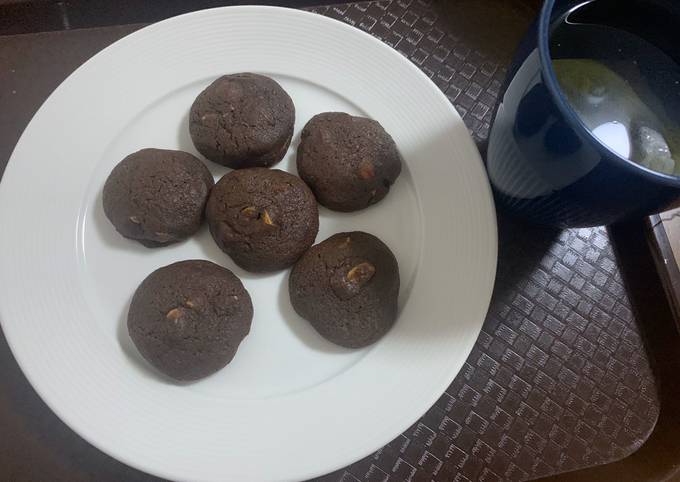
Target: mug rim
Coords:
[[560, 100]]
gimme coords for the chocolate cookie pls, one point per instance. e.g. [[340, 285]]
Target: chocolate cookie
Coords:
[[242, 120], [349, 162], [188, 319], [157, 196], [347, 288], [263, 218]]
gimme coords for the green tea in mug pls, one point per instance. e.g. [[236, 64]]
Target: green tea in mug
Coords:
[[623, 88]]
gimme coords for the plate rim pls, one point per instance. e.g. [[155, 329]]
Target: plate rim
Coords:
[[492, 227]]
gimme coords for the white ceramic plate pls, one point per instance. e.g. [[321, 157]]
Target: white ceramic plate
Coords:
[[291, 405]]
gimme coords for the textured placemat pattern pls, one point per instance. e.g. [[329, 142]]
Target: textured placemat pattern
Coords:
[[558, 379]]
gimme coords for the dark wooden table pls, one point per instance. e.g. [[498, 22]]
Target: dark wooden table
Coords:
[[566, 381]]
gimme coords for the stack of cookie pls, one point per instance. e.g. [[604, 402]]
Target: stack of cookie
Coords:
[[188, 319]]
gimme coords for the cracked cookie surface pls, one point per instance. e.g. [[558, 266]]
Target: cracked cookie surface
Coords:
[[157, 196], [242, 120], [187, 319], [264, 219], [347, 288]]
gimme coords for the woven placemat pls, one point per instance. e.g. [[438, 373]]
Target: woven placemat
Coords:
[[559, 378]]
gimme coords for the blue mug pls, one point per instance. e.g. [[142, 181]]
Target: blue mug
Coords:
[[544, 163]]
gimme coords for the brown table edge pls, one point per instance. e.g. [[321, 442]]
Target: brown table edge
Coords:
[[666, 265]]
